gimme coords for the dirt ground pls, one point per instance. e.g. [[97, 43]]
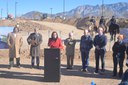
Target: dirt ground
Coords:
[[27, 76]]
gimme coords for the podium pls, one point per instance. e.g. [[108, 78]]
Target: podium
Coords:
[[52, 65]]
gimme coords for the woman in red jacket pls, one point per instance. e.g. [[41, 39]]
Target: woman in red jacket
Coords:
[[54, 41]]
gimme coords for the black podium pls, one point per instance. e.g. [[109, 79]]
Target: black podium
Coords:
[[51, 65]]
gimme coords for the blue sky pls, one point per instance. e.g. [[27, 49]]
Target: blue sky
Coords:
[[5, 30], [24, 6]]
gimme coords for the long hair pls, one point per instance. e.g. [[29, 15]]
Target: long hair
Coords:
[[53, 33]]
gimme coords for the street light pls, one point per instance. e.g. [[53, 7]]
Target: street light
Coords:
[[63, 8], [1, 12], [16, 9], [51, 12]]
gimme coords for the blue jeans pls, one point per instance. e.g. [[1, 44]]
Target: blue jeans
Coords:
[[85, 59]]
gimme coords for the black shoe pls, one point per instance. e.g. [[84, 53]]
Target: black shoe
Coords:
[[18, 66], [9, 67], [32, 67], [38, 67], [114, 75], [120, 76], [102, 70], [84, 70], [68, 68], [96, 71]]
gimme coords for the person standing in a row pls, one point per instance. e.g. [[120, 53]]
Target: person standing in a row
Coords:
[[35, 39], [15, 42], [55, 41], [100, 42], [70, 50], [86, 44], [119, 49]]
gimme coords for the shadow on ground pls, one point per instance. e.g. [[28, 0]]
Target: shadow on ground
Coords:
[[76, 71], [40, 77]]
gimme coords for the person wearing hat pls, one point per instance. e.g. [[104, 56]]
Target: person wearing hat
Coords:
[[14, 41], [35, 40], [118, 49], [102, 21], [93, 20], [70, 50], [100, 42], [86, 43]]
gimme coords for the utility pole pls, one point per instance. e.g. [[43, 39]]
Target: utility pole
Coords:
[[16, 9], [51, 12], [102, 7], [1, 12], [7, 8]]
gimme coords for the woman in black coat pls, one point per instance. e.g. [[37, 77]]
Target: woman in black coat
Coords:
[[119, 49]]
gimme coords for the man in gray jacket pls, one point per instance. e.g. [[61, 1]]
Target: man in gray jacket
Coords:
[[35, 39]]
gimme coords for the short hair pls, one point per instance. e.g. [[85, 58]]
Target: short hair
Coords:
[[71, 34], [15, 29]]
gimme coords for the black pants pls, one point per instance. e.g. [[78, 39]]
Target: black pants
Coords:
[[11, 62], [115, 63], [113, 35], [33, 60], [100, 54]]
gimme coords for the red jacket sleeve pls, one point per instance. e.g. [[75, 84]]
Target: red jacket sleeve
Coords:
[[60, 44]]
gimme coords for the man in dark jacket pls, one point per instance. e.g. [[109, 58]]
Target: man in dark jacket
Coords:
[[100, 42], [35, 39], [113, 20], [119, 49], [102, 21], [86, 44], [93, 20]]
